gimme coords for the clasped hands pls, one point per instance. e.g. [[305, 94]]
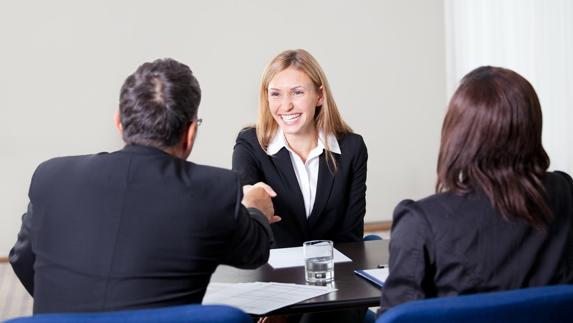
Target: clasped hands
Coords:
[[259, 196]]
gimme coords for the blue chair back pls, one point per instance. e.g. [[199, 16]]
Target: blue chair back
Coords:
[[178, 314], [371, 237], [539, 304]]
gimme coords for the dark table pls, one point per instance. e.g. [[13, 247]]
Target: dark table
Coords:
[[353, 291]]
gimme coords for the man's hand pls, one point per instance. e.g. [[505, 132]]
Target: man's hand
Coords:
[[259, 196]]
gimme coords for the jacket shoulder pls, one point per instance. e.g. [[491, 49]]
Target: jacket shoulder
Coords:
[[559, 191], [351, 141], [214, 181], [248, 134], [213, 172], [352, 138], [433, 207], [558, 179], [64, 162], [247, 140]]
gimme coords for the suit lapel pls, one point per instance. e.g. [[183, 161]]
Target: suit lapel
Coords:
[[323, 189], [286, 172]]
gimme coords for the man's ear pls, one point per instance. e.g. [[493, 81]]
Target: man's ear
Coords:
[[117, 122], [189, 139]]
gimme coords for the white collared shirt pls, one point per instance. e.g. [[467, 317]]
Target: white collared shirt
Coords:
[[306, 173]]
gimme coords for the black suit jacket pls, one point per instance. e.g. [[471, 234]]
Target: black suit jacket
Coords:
[[132, 229], [451, 245], [340, 203]]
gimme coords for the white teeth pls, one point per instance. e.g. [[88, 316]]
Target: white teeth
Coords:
[[290, 117]]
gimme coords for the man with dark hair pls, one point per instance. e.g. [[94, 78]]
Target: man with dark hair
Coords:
[[140, 227]]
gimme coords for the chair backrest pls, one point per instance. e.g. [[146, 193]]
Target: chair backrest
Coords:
[[371, 237], [539, 304], [177, 314]]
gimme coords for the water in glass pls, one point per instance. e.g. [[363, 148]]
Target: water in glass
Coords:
[[319, 269]]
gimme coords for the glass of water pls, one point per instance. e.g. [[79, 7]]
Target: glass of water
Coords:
[[318, 261]]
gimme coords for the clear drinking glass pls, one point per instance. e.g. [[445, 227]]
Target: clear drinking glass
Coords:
[[318, 261]]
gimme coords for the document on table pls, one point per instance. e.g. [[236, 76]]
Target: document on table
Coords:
[[293, 257], [377, 276], [260, 298]]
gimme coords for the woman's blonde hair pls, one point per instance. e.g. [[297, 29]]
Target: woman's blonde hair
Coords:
[[327, 118]]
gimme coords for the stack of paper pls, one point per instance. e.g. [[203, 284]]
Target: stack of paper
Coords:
[[260, 298]]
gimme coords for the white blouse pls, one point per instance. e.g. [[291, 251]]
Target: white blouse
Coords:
[[306, 173]]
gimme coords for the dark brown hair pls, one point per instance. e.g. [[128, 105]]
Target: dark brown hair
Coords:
[[491, 140], [158, 102]]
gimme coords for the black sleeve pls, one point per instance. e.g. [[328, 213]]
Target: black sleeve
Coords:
[[21, 255], [252, 237], [244, 160], [352, 228], [410, 256]]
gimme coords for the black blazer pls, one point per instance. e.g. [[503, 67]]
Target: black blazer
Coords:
[[132, 229], [451, 245], [340, 203]]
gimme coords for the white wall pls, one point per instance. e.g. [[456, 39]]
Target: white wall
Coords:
[[63, 62], [533, 38]]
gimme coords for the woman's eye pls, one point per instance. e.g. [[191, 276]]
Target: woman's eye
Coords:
[[275, 94], [298, 92]]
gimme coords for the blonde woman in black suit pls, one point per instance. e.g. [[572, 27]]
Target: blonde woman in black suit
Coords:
[[303, 149]]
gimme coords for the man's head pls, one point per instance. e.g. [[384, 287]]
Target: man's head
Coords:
[[158, 106]]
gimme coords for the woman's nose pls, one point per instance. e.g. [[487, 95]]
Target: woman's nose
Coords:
[[287, 102]]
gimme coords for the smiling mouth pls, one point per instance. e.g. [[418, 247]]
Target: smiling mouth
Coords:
[[289, 118]]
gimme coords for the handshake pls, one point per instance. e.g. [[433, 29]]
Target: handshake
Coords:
[[258, 196]]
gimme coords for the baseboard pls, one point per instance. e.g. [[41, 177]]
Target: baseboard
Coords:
[[377, 226]]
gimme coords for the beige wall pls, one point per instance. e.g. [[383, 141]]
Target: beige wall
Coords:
[[62, 63]]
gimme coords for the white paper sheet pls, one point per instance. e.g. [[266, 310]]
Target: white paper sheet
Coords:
[[294, 257], [260, 298]]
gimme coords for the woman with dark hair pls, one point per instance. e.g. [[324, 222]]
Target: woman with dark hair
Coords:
[[499, 219]]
